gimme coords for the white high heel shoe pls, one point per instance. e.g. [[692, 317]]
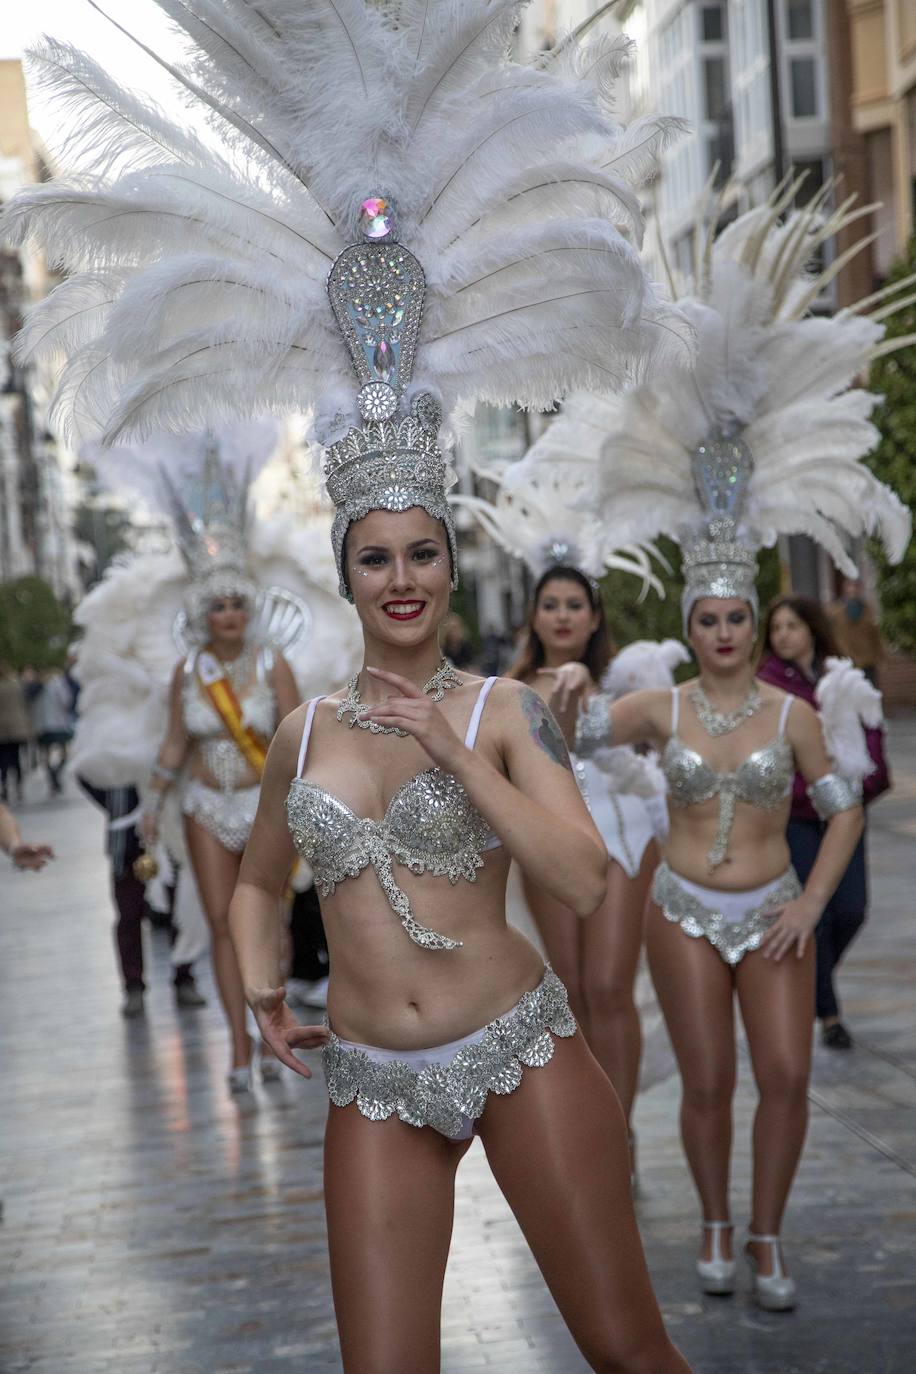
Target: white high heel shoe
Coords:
[[716, 1275], [773, 1292]]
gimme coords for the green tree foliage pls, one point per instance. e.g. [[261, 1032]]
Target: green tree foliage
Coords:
[[894, 462], [35, 628]]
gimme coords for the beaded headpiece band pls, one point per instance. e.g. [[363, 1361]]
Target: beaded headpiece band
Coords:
[[719, 560], [393, 461]]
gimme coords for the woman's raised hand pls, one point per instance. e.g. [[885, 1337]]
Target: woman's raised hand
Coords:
[[282, 1032], [410, 709], [569, 680]]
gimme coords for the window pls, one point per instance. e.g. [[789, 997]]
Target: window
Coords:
[[713, 24], [716, 87], [814, 179], [800, 19], [804, 87]]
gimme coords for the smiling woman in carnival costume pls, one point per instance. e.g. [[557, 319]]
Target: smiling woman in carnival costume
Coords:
[[475, 226], [763, 438]]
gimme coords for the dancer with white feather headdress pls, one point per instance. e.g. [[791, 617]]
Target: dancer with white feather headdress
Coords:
[[474, 225], [567, 655], [764, 437], [215, 596]]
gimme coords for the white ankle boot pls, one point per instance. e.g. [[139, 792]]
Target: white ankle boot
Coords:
[[716, 1275], [773, 1292]]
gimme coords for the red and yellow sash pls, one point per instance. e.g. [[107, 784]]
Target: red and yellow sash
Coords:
[[221, 693]]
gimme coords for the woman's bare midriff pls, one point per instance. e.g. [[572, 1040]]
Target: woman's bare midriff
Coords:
[[197, 769], [757, 849], [389, 992]]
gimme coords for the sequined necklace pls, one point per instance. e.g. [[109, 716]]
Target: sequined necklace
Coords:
[[442, 681], [723, 722], [237, 670]]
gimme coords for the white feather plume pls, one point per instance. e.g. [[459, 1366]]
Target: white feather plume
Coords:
[[766, 369], [127, 652], [643, 664], [197, 286], [847, 702]]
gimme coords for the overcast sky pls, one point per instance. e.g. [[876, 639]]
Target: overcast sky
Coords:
[[75, 21]]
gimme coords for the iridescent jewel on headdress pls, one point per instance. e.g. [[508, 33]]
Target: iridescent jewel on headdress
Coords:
[[722, 467], [393, 461]]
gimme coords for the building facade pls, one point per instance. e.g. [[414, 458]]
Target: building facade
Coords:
[[37, 488]]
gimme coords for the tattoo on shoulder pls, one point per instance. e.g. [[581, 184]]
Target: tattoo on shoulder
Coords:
[[543, 729]]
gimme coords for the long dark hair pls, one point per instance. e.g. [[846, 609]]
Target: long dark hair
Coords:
[[814, 616], [598, 651]]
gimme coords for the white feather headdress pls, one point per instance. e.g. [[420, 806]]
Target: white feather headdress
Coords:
[[765, 434], [200, 272]]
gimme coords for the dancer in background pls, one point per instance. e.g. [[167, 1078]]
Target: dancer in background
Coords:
[[799, 655], [566, 656], [205, 724], [734, 451]]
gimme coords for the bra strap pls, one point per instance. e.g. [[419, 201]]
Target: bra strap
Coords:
[[470, 738], [675, 709], [784, 714], [306, 732]]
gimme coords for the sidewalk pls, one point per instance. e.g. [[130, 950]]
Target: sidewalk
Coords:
[[155, 1226]]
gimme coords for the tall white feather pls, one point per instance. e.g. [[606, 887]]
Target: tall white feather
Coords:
[[198, 272], [766, 368]]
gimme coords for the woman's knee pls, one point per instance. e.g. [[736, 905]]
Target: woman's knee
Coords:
[[711, 1092], [617, 1355], [784, 1079], [607, 996]]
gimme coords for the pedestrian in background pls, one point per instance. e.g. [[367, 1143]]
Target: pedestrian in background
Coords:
[[14, 731], [797, 639], [856, 629], [51, 710]]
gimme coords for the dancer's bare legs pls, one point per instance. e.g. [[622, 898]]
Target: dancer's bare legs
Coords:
[[558, 1149], [215, 871], [695, 989], [610, 941], [389, 1193], [777, 1006], [558, 928]]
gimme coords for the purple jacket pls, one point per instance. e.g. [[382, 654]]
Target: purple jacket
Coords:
[[780, 673]]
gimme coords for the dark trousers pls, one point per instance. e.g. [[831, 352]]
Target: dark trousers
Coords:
[[844, 915], [309, 947], [10, 762]]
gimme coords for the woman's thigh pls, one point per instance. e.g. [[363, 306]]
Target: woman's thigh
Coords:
[[777, 1007], [216, 870], [695, 989], [612, 936], [559, 928], [558, 1149], [389, 1195]]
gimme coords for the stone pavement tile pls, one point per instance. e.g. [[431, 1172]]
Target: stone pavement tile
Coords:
[[155, 1226]]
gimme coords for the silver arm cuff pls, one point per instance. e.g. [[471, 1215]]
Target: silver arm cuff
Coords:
[[832, 794], [593, 728]]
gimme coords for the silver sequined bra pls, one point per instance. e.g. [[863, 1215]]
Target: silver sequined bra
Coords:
[[764, 779], [430, 826]]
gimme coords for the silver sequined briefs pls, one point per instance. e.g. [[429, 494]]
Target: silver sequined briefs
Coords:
[[732, 939], [764, 780], [228, 815], [430, 826], [444, 1096], [832, 794]]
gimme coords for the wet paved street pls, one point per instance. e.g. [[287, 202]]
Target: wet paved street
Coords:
[[152, 1225]]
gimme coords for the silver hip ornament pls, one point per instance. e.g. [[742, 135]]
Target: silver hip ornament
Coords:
[[392, 461]]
